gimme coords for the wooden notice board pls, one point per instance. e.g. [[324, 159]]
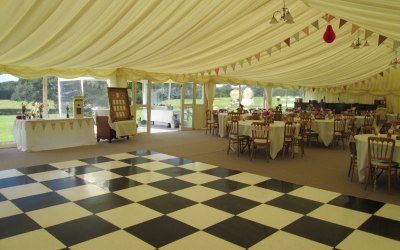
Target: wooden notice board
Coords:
[[119, 104]]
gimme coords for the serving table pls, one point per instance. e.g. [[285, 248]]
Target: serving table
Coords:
[[362, 153], [161, 115], [46, 134], [122, 128], [275, 134]]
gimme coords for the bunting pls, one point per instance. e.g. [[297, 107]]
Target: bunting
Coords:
[[87, 122], [269, 51], [62, 125], [381, 73], [279, 46], [249, 60], [233, 65], [53, 125], [342, 22], [258, 56], [216, 71], [224, 68], [297, 36], [368, 33], [306, 30], [287, 41], [71, 125], [44, 125], [316, 24], [381, 39], [241, 63], [396, 44], [33, 125], [354, 28], [80, 123]]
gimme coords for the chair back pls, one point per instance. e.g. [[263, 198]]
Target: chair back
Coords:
[[380, 149], [208, 115], [234, 116], [339, 125], [215, 117], [260, 130], [352, 145], [288, 134], [255, 116], [278, 116], [234, 128], [368, 120]]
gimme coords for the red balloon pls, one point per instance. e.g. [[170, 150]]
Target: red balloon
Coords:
[[329, 35]]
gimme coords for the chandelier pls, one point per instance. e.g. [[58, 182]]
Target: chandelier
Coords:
[[395, 61], [358, 42], [283, 15]]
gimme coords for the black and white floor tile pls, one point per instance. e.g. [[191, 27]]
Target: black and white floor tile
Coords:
[[149, 200]]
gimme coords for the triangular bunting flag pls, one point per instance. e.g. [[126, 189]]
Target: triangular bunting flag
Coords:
[[233, 65], [342, 22], [278, 46], [269, 51], [387, 71], [44, 124], [53, 125], [297, 36], [257, 56], [33, 125], [315, 24], [306, 30], [209, 72], [313, 89], [330, 18], [354, 28], [345, 87], [249, 60], [87, 122], [202, 75], [80, 123], [216, 70], [326, 17], [396, 44], [381, 39], [287, 41], [381, 74], [241, 63], [224, 68], [368, 33], [62, 125], [328, 88], [71, 125]]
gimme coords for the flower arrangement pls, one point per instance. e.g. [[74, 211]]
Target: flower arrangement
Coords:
[[267, 116], [394, 130], [319, 114], [37, 110]]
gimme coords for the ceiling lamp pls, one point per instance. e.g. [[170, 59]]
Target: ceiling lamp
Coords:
[[358, 43], [283, 15], [395, 61]]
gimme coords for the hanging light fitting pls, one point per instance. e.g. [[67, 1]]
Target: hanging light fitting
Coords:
[[283, 15]]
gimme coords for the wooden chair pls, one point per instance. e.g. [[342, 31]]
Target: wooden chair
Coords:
[[300, 138], [209, 121], [260, 138], [215, 125], [309, 134], [367, 130], [353, 156], [338, 132], [380, 157], [237, 142], [288, 139], [278, 116], [255, 116], [368, 120]]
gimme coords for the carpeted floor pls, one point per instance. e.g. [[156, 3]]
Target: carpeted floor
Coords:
[[320, 167]]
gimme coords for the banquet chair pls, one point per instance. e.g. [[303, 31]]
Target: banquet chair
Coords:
[[288, 139], [367, 130], [260, 138], [353, 156], [232, 116], [278, 116], [309, 134], [380, 158], [237, 142], [339, 133], [368, 120], [299, 139], [255, 116], [215, 125], [209, 121]]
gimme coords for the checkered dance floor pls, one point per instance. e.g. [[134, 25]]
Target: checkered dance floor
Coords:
[[148, 200]]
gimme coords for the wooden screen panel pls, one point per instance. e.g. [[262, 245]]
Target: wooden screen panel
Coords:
[[119, 104]]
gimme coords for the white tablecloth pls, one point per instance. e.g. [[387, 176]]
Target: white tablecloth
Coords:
[[37, 135], [163, 116], [122, 128], [222, 122], [325, 130], [275, 134], [362, 154]]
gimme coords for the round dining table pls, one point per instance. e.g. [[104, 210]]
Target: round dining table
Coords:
[[223, 120], [275, 134], [362, 153], [324, 128]]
